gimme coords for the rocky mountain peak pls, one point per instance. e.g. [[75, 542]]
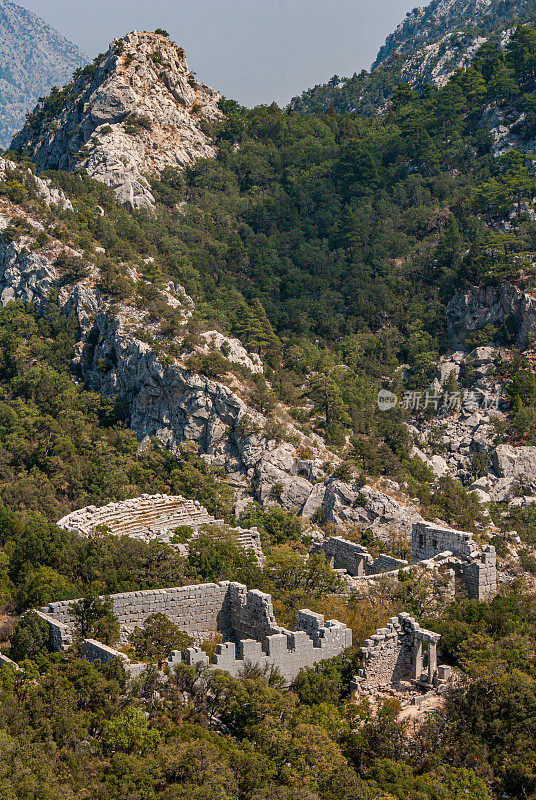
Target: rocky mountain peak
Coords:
[[432, 23], [136, 110]]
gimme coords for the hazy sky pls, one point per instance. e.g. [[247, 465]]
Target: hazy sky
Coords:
[[255, 51]]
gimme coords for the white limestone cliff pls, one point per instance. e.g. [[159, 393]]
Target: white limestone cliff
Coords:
[[133, 113]]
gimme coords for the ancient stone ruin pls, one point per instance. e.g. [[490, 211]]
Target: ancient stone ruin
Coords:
[[473, 567], [154, 517], [455, 554], [146, 517], [356, 559], [401, 653], [244, 618]]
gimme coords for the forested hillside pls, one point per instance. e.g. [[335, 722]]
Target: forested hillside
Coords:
[[330, 245], [349, 235], [426, 48]]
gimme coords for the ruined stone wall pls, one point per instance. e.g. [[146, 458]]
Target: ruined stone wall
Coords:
[[199, 610], [475, 568], [427, 540], [60, 631], [388, 660], [93, 650], [7, 662], [385, 563], [251, 614], [356, 560], [288, 652], [230, 608], [480, 577], [395, 653], [343, 554], [440, 547], [244, 617]]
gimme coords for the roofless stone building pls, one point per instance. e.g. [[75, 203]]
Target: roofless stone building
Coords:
[[401, 652], [471, 568], [245, 619]]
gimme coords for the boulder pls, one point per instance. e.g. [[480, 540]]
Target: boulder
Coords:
[[515, 464], [364, 506], [436, 463], [315, 501], [232, 349]]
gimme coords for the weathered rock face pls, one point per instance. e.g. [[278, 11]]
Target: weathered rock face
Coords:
[[343, 503], [463, 423], [136, 112], [233, 350], [506, 307], [430, 44], [166, 400], [516, 464], [163, 399], [175, 405], [50, 193], [435, 40], [23, 275]]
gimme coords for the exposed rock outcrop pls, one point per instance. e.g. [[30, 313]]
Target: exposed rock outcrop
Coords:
[[233, 350], [344, 503], [162, 397], [506, 308], [44, 187], [516, 464], [429, 45], [435, 40], [137, 110], [462, 426]]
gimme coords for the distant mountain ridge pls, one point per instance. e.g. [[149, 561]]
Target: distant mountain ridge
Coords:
[[426, 48], [33, 58]]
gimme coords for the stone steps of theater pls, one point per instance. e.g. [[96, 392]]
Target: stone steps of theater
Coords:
[[248, 542], [149, 510], [157, 523], [144, 507], [155, 518]]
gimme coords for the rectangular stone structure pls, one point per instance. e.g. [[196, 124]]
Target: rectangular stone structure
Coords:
[[428, 540], [476, 568], [356, 560], [395, 653], [245, 618]]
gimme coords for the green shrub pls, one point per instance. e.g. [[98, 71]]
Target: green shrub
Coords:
[[94, 618], [157, 637], [135, 123], [182, 534], [213, 365], [30, 638]]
